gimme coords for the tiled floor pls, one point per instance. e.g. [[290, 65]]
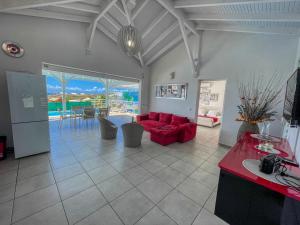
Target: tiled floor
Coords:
[[89, 181]]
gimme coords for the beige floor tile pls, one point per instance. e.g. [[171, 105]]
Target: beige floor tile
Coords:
[[113, 156], [156, 217], [34, 202], [6, 212], [155, 189], [8, 178], [211, 203], [8, 165], [7, 192], [171, 176], [104, 216], [114, 187], [31, 184], [67, 172], [136, 175], [206, 217], [61, 162], [83, 204], [193, 160], [181, 209], [211, 168], [53, 215], [33, 160], [154, 150], [139, 157], [33, 170], [85, 155], [69, 187], [131, 206], [123, 164], [208, 179], [195, 191], [153, 165], [102, 173], [166, 159], [97, 156], [93, 163], [183, 167]]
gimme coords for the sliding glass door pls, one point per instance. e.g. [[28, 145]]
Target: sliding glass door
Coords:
[[69, 90]]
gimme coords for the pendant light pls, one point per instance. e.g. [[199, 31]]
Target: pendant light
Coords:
[[129, 40]]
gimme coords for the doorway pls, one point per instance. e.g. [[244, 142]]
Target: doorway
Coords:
[[210, 108]]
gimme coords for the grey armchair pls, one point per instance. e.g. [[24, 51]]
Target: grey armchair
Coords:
[[132, 133], [108, 129]]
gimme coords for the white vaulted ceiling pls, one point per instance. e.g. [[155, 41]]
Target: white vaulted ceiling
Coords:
[[160, 22]]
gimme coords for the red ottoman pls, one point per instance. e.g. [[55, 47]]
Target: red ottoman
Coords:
[[164, 135]]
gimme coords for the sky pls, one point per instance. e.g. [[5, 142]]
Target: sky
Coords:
[[83, 86]]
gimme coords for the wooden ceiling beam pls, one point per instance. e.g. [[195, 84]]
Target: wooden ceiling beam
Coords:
[[51, 15], [216, 3], [160, 38], [162, 51], [80, 7], [267, 17], [11, 5], [138, 10], [93, 26], [187, 46], [250, 30], [178, 14], [154, 23]]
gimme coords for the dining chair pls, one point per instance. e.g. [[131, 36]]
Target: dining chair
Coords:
[[76, 112], [103, 112], [89, 114]]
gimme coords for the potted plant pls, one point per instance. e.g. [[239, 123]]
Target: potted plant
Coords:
[[258, 99]]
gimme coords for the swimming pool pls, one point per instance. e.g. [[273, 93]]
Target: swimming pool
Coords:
[[57, 113]]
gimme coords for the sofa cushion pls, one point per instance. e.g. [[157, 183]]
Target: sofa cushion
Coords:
[[153, 116], [177, 120], [148, 124], [187, 132], [165, 135], [167, 130], [165, 118], [142, 117]]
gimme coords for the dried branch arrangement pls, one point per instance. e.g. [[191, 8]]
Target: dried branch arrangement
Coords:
[[258, 99]]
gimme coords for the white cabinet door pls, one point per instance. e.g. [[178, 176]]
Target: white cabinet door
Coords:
[[27, 97], [31, 138]]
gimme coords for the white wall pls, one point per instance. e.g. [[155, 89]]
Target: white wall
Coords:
[[63, 43], [225, 56]]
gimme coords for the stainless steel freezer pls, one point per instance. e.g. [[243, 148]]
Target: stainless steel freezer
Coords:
[[29, 113]]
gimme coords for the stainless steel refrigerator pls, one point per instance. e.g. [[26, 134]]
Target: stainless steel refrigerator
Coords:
[[29, 113]]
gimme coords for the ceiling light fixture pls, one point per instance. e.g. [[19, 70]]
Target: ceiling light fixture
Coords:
[[129, 40]]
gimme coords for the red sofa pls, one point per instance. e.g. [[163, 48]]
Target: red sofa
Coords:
[[166, 128]]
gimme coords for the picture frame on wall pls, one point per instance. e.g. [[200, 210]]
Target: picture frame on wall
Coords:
[[171, 91], [214, 97]]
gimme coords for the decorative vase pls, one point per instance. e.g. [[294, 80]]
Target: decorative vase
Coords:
[[247, 127]]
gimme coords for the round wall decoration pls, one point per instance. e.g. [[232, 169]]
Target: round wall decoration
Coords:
[[12, 49]]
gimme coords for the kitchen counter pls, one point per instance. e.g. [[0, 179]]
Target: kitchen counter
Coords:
[[245, 198]]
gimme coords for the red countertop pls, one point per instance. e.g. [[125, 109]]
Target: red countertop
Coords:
[[245, 149]]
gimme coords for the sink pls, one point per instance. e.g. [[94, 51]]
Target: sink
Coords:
[[252, 165]]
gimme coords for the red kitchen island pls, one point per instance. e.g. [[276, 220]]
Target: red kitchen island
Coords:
[[244, 198]]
